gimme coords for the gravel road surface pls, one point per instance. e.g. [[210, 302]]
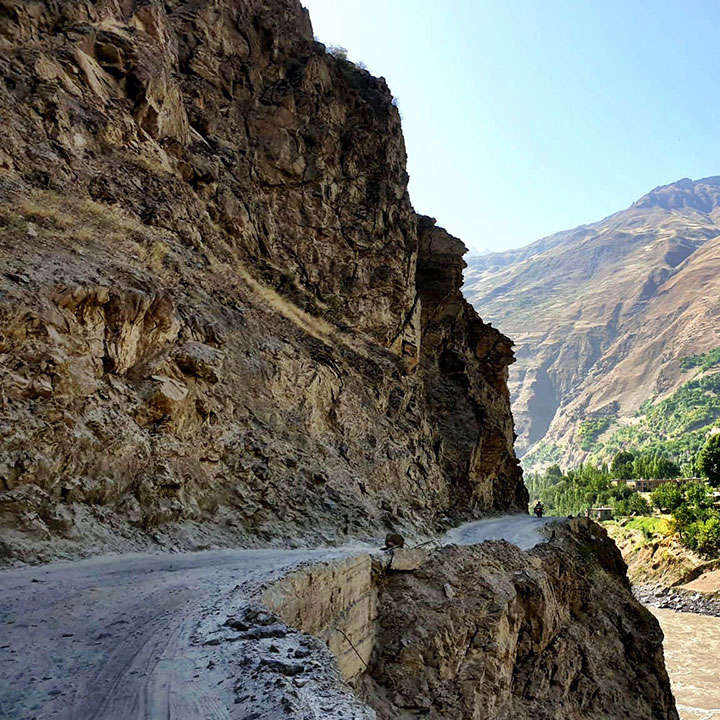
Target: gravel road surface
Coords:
[[114, 637]]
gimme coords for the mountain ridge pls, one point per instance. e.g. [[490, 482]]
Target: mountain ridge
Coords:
[[598, 297], [547, 242]]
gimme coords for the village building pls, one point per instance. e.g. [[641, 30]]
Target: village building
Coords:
[[600, 513], [650, 484]]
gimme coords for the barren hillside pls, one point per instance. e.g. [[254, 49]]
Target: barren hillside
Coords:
[[604, 314]]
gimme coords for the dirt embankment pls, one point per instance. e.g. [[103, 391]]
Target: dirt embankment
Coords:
[[664, 572]]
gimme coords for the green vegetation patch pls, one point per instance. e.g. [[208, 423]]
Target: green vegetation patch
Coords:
[[541, 454], [650, 526], [590, 430], [676, 427], [695, 515], [704, 362]]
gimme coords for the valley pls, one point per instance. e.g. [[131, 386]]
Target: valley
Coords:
[[616, 328]]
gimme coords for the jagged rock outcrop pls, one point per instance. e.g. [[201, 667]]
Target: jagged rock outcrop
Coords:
[[219, 319], [465, 362], [488, 631]]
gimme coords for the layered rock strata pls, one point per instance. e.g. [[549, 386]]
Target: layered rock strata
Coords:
[[220, 318], [605, 317]]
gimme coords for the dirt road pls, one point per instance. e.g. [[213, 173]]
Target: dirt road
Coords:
[[113, 638]]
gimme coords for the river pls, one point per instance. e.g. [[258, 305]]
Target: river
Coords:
[[692, 655]]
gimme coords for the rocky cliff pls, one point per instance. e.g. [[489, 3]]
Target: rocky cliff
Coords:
[[483, 632], [222, 322], [611, 319], [220, 318], [492, 632]]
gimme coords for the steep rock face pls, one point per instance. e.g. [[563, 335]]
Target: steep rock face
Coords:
[[219, 320], [222, 321], [465, 361], [490, 631], [604, 314], [487, 631]]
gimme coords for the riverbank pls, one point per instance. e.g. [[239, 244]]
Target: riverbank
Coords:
[[678, 599], [652, 551], [663, 572]]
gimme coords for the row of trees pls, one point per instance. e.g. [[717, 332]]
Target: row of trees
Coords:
[[629, 465], [708, 460], [695, 517], [572, 492]]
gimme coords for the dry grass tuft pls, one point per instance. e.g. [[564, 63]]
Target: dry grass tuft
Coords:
[[82, 223]]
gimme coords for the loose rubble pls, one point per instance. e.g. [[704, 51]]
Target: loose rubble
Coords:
[[677, 599]]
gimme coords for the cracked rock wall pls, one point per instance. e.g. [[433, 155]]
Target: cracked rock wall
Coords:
[[221, 320], [491, 632], [337, 603], [488, 632]]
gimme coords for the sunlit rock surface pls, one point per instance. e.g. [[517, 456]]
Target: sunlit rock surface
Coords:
[[221, 320]]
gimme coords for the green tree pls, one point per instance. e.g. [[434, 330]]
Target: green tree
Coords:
[[622, 465], [643, 466], [665, 468], [668, 497], [685, 517], [708, 461], [708, 535], [621, 492], [699, 497], [635, 504], [693, 516], [638, 504]]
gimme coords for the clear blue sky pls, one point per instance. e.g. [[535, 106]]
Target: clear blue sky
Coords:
[[525, 117]]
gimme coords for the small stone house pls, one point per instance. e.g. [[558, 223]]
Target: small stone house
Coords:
[[600, 513]]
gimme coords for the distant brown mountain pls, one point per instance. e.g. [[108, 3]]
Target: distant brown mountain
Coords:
[[603, 315]]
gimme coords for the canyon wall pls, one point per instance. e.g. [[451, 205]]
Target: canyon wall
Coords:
[[221, 320]]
